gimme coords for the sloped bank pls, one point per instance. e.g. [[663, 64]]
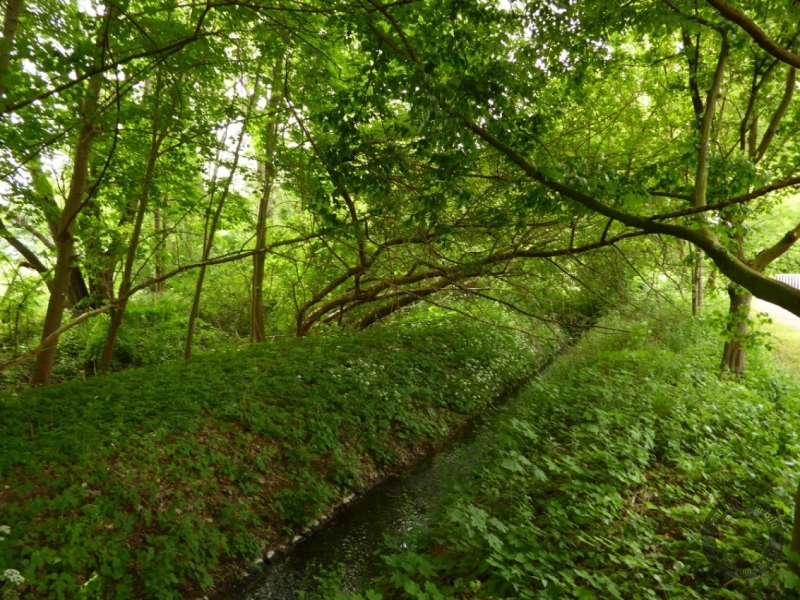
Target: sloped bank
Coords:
[[602, 478], [159, 482]]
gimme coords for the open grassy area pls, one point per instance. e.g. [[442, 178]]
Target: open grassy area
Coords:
[[159, 482]]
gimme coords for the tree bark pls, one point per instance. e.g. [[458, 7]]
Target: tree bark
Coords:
[[159, 256], [257, 332], [10, 22], [65, 240], [697, 282]]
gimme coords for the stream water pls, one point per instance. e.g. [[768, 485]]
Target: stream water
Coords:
[[354, 538]]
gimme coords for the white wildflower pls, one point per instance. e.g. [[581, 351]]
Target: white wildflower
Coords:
[[5, 529], [13, 576]]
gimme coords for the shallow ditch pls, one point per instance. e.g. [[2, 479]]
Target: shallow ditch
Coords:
[[354, 538]]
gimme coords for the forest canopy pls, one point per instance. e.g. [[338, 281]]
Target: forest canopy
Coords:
[[309, 239], [362, 157]]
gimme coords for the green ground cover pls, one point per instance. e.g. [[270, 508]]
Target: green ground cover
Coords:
[[159, 482], [599, 487]]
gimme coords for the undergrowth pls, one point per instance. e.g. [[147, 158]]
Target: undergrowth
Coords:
[[600, 484], [158, 482]]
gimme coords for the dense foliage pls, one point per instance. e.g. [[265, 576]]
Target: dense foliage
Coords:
[[154, 482], [354, 159], [206, 182], [599, 485]]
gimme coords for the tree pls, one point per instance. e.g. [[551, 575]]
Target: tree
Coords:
[[501, 111], [266, 160], [159, 130], [64, 238]]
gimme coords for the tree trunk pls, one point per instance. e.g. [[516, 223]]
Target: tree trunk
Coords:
[[208, 242], [65, 240], [78, 292], [697, 283], [257, 333], [159, 255], [157, 137], [10, 22], [733, 354], [795, 545], [98, 262]]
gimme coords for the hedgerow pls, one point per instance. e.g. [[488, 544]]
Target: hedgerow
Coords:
[[159, 482]]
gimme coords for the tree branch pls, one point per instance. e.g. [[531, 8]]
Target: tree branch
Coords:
[[704, 153], [26, 252], [759, 36], [777, 185], [769, 134], [768, 255], [765, 288]]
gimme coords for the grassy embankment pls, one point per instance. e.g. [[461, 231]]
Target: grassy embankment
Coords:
[[599, 487], [159, 482]]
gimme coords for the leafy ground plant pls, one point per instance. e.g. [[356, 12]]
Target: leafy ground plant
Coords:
[[600, 484], [157, 483]]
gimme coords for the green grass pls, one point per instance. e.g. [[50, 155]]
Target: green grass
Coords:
[[158, 482], [785, 331], [599, 487]]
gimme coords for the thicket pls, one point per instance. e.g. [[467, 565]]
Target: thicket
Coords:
[[155, 482], [600, 484]]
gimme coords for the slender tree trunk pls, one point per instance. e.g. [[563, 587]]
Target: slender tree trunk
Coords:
[[697, 282], [65, 240], [10, 22], [795, 545], [733, 354], [257, 333], [157, 137], [208, 242], [159, 256]]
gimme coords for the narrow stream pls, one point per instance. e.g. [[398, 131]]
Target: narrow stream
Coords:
[[396, 507]]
